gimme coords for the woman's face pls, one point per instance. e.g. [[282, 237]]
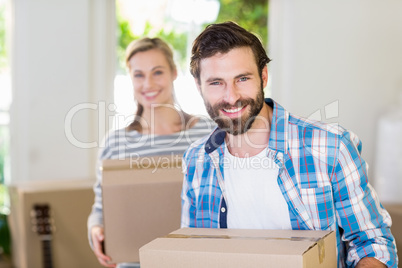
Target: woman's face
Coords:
[[152, 78]]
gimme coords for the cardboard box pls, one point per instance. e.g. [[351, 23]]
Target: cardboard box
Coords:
[[198, 247], [141, 201], [395, 210], [70, 203]]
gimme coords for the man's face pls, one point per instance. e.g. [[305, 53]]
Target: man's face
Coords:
[[232, 89]]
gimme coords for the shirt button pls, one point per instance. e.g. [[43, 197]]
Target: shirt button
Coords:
[[223, 210]]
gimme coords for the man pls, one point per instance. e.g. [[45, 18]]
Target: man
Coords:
[[265, 168]]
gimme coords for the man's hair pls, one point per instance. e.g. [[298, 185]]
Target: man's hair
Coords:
[[221, 38]]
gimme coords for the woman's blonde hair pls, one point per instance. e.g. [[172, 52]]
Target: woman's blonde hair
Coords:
[[142, 45], [146, 44]]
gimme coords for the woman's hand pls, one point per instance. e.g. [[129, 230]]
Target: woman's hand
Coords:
[[97, 240]]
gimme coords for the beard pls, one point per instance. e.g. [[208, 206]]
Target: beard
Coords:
[[236, 126]]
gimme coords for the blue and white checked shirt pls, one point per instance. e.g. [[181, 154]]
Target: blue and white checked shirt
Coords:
[[322, 178]]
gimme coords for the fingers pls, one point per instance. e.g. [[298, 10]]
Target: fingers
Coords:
[[105, 263], [97, 240]]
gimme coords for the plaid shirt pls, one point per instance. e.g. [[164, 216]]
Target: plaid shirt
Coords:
[[322, 178]]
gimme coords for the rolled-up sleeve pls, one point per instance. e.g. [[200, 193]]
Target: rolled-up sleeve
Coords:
[[364, 222]]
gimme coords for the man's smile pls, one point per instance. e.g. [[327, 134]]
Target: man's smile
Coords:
[[234, 112]]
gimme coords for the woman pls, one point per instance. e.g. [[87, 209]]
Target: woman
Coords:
[[159, 127]]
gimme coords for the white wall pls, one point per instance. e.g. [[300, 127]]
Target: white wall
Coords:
[[340, 50], [62, 56]]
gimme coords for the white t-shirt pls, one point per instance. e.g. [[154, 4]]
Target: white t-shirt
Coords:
[[254, 199]]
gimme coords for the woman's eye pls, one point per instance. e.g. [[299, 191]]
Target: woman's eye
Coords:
[[158, 72], [138, 75]]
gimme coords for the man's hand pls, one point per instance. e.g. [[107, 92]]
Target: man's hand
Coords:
[[370, 262], [97, 240]]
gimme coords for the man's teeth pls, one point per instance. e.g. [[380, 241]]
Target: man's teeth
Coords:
[[151, 94], [233, 110]]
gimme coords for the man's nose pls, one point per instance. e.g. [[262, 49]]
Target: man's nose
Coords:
[[232, 94]]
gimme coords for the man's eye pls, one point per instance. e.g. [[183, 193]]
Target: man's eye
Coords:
[[216, 83], [242, 79]]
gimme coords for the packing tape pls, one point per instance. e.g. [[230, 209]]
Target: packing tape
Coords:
[[293, 238], [321, 250], [319, 242]]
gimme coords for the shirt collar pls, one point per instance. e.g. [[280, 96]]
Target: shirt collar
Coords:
[[278, 133]]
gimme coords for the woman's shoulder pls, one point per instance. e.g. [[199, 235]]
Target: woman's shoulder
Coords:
[[118, 135], [115, 139]]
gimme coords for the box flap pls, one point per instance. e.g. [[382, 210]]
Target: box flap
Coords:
[[271, 241], [142, 170], [52, 185]]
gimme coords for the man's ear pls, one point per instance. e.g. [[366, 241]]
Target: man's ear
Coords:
[[264, 76]]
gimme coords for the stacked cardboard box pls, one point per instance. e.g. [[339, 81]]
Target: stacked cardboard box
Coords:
[[69, 203]]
